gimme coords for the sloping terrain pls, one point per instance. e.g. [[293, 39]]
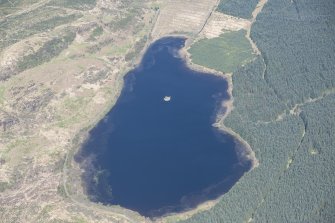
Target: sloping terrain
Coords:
[[61, 68]]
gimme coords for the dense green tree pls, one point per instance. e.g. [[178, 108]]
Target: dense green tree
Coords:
[[284, 105]]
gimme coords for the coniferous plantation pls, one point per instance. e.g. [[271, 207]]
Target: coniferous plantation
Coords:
[[238, 8], [284, 108]]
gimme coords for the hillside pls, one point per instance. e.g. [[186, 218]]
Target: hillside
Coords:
[[61, 68]]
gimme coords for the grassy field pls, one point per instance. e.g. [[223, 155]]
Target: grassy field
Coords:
[[225, 53]]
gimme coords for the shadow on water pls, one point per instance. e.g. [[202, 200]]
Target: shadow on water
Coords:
[[155, 156]]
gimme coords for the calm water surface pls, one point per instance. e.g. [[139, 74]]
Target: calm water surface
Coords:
[[155, 156]]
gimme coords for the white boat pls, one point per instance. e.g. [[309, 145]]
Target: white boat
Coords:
[[167, 98]]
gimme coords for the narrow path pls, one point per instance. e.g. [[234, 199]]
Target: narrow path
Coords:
[[280, 175], [294, 110], [209, 16], [255, 13], [10, 2]]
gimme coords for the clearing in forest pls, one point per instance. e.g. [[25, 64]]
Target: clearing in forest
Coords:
[[224, 53]]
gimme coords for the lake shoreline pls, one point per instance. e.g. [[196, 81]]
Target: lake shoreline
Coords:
[[228, 107], [244, 151]]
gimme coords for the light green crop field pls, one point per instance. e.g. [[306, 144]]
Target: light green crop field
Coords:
[[224, 53]]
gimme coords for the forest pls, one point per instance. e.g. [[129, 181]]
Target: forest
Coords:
[[237, 8], [284, 104]]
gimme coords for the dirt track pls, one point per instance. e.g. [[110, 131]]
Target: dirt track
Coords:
[[183, 17]]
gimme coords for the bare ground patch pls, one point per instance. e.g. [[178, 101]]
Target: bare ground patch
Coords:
[[182, 17], [218, 23]]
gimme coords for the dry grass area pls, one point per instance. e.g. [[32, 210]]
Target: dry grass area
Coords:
[[182, 17], [218, 23], [56, 83]]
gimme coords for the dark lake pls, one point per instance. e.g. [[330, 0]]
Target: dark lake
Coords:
[[157, 156]]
